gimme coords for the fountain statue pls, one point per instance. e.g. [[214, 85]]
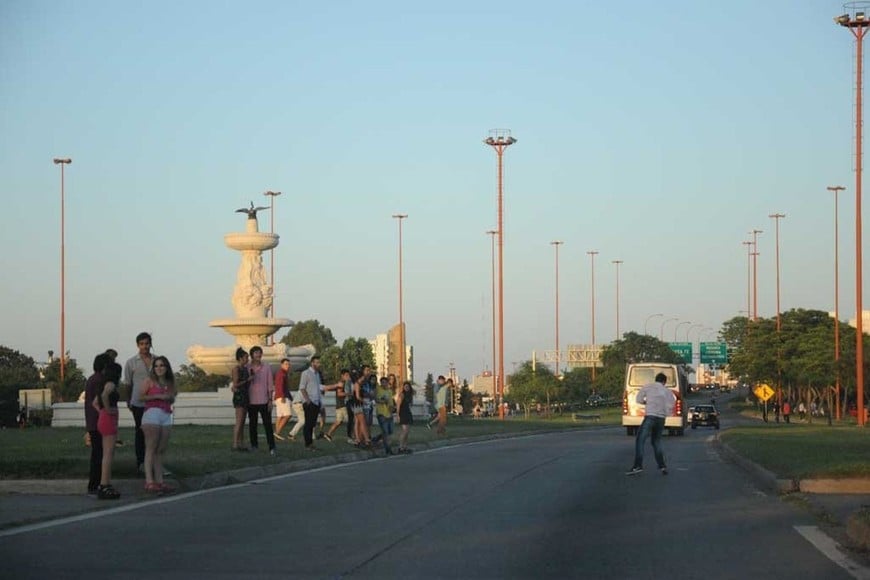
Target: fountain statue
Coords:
[[252, 298]]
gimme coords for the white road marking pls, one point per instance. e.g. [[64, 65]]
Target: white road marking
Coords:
[[828, 547]]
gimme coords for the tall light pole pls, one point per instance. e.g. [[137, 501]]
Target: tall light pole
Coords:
[[754, 234], [777, 217], [748, 245], [402, 358], [662, 327], [617, 263], [592, 254], [856, 21], [492, 234], [648, 318], [836, 189], [691, 328], [499, 140], [62, 162], [556, 244], [272, 195]]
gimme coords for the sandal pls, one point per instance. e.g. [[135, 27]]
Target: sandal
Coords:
[[107, 492], [164, 488], [152, 488]]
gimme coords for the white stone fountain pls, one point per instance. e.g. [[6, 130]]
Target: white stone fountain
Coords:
[[252, 298]]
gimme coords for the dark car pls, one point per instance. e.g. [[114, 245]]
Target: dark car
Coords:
[[595, 400], [706, 415]]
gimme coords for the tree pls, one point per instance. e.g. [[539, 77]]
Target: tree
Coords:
[[465, 397], [632, 347], [310, 332], [17, 371], [73, 380], [429, 388], [192, 379], [353, 354], [529, 386]]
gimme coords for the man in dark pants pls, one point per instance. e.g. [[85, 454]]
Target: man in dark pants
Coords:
[[93, 388], [311, 390], [136, 370], [659, 401]]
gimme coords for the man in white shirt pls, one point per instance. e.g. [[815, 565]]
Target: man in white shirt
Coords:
[[659, 401]]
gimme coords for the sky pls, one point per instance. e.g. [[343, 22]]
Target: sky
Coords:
[[657, 133]]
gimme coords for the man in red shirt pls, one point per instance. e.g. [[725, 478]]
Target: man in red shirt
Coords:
[[282, 398]]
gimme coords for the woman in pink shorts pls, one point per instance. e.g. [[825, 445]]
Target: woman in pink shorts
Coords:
[[158, 392], [106, 404]]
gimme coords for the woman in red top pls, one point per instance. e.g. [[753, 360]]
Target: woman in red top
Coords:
[[106, 404], [158, 392]]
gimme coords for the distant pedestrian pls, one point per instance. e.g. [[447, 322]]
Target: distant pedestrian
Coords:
[[385, 408], [260, 396], [106, 404], [361, 429], [93, 389], [283, 398], [802, 411], [659, 401], [341, 411], [136, 371], [442, 391], [786, 411], [241, 381], [406, 417]]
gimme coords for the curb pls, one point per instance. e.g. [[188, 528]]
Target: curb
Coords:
[[764, 477]]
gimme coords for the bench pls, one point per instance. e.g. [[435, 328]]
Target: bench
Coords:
[[586, 417]]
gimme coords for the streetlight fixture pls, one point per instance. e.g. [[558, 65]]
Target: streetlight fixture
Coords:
[[857, 22], [836, 189], [556, 244], [691, 328], [754, 233], [62, 162], [662, 327], [492, 234], [592, 254], [402, 358], [679, 324], [648, 318], [499, 140], [617, 263], [272, 195]]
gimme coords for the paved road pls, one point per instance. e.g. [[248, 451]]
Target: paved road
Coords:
[[545, 506]]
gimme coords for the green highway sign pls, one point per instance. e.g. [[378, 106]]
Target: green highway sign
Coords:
[[714, 353], [684, 349]]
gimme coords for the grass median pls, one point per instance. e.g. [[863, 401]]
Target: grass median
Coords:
[[196, 450], [804, 451]]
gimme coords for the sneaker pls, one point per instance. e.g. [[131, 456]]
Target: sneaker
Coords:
[[167, 473], [327, 436], [291, 438], [634, 471], [278, 437], [93, 491], [351, 441], [429, 426], [311, 448], [664, 470], [273, 453], [321, 435]]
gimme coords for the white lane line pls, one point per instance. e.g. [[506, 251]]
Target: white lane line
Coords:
[[828, 547]]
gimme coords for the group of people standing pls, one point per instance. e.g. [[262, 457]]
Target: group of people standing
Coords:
[[150, 383], [359, 399]]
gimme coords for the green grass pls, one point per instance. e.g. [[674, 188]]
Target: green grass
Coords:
[[195, 450], [799, 451]]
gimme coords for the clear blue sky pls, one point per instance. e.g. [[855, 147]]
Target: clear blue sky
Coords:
[[658, 133]]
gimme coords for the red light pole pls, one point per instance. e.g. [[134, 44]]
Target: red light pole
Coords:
[[836, 189], [856, 21], [402, 357], [617, 263], [492, 234], [272, 195], [499, 140], [556, 245], [62, 162], [592, 254], [777, 217], [754, 234]]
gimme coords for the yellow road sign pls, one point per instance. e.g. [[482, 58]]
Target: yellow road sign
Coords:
[[764, 392]]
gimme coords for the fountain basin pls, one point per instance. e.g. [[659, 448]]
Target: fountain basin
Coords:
[[220, 360], [251, 241], [251, 326]]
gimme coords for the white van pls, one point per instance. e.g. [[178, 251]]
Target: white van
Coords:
[[640, 374]]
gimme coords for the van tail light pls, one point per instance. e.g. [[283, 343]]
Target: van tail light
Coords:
[[625, 403], [678, 410]]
